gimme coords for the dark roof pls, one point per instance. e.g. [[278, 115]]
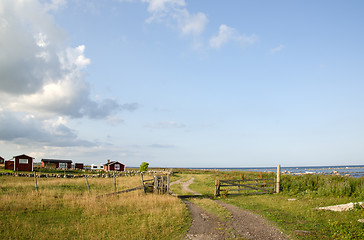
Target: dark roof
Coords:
[[56, 161], [113, 162], [2, 158], [23, 155]]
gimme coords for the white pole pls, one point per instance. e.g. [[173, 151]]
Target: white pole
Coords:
[[278, 178]]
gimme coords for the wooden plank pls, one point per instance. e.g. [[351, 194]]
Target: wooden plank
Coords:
[[247, 193], [239, 185], [247, 180], [251, 188], [123, 191], [148, 180], [248, 186], [242, 189]]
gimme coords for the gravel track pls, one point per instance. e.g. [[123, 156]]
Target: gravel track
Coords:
[[243, 224]]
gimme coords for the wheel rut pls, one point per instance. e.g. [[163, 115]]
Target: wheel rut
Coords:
[[242, 225]]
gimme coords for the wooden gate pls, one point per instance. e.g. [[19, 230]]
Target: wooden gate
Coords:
[[157, 185], [247, 186]]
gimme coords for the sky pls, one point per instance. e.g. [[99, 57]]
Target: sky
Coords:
[[180, 83]]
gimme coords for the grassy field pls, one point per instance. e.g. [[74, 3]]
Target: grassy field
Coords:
[[64, 209], [294, 209]]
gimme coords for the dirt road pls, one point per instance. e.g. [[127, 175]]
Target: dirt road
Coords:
[[242, 225]]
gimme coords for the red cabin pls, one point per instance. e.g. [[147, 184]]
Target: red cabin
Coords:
[[114, 166], [79, 166], [20, 163], [57, 163]]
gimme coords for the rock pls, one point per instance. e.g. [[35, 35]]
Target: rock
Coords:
[[341, 207], [302, 233]]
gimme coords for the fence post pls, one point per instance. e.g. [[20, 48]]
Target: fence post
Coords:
[[156, 184], [278, 178], [35, 180], [114, 182], [168, 182], [145, 190], [88, 186], [217, 187], [215, 190]]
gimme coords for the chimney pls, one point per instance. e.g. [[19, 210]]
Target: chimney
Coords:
[[108, 161]]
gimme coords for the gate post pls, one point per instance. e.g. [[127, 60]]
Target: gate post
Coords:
[[278, 178], [217, 187]]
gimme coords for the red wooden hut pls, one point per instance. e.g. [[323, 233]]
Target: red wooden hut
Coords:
[[20, 163], [114, 166], [79, 166], [57, 163]]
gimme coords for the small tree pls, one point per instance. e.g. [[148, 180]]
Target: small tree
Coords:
[[144, 167]]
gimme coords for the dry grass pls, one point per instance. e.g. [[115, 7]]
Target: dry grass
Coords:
[[64, 209]]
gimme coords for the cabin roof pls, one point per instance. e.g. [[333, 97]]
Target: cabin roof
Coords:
[[113, 162], [56, 160], [23, 155]]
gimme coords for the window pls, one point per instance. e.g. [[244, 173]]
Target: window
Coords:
[[23, 161], [117, 166], [62, 165]]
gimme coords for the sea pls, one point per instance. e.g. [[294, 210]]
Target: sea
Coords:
[[350, 170]]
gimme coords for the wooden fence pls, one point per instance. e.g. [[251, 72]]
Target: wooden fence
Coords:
[[158, 185], [247, 186]]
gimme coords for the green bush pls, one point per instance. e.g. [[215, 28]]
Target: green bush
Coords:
[[144, 167]]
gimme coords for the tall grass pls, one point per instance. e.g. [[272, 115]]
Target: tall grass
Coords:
[[294, 209], [323, 185], [64, 209]]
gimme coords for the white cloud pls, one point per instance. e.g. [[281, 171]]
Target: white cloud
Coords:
[[176, 11], [165, 125], [156, 6], [26, 129], [38, 72], [54, 5], [277, 49], [227, 34], [192, 24], [43, 79]]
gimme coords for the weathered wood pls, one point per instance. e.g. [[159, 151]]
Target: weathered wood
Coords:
[[123, 191], [35, 180], [217, 188], [278, 178], [249, 193], [114, 182], [88, 186], [249, 189], [247, 180], [246, 186], [168, 182]]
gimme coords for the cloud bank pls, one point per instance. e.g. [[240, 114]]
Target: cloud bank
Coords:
[[41, 76]]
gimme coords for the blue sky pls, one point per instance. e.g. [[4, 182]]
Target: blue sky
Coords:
[[180, 83]]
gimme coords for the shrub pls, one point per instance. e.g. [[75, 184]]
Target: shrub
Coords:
[[144, 167]]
